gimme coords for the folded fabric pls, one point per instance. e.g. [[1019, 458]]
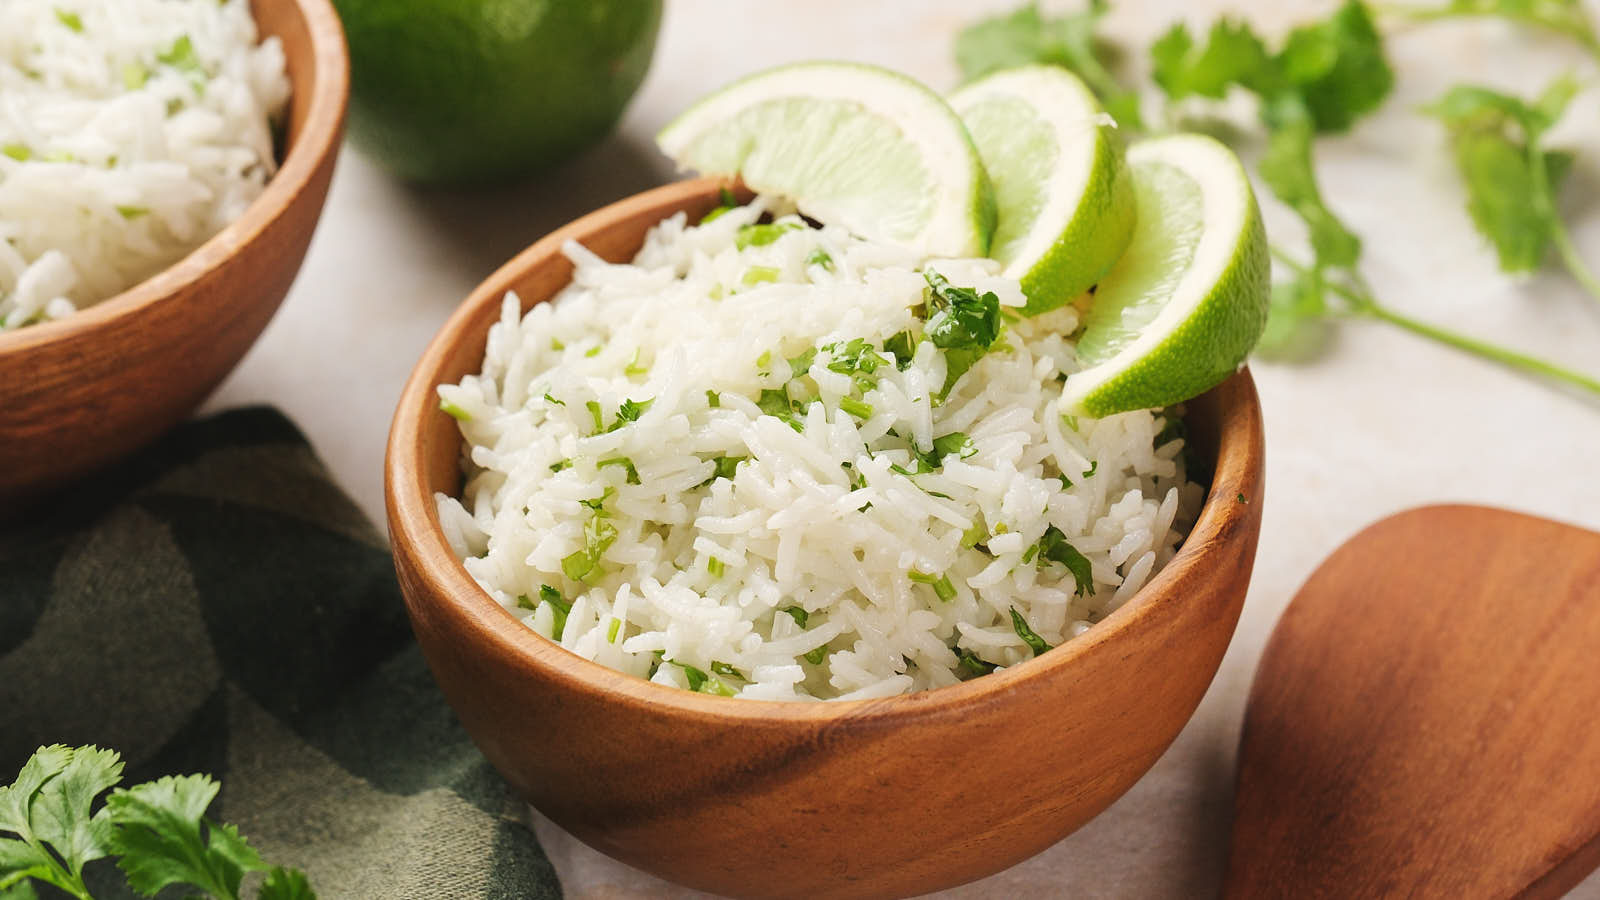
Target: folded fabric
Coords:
[[216, 604]]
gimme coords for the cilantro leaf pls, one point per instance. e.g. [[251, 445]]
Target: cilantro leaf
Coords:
[[961, 323], [164, 838], [903, 347], [1510, 178], [974, 666], [286, 884], [625, 463], [776, 402], [1337, 66], [955, 442], [1026, 37], [761, 235], [1020, 626], [629, 412], [1053, 546], [798, 614], [47, 808], [800, 365], [1232, 55], [598, 536]]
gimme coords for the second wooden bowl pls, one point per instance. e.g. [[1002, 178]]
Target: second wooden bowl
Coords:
[[852, 799], [86, 389]]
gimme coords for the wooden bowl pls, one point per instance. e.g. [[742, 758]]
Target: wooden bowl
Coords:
[[84, 390], [762, 798]]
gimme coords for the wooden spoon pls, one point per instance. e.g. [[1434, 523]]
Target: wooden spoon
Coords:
[[1425, 721]]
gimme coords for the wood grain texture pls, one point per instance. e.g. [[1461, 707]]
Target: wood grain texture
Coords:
[[1424, 721], [859, 799], [104, 381]]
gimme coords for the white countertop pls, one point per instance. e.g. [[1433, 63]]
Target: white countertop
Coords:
[[1382, 422]]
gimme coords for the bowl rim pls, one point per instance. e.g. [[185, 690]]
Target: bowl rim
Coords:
[[414, 529], [329, 87]]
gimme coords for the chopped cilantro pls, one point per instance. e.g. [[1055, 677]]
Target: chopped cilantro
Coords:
[[777, 403], [855, 357], [526, 602], [727, 200], [70, 19], [764, 360], [972, 664], [611, 632], [961, 323], [1094, 464], [181, 56], [454, 411], [592, 351], [1053, 546], [18, 152], [902, 347], [820, 257], [816, 656], [593, 406], [556, 345], [800, 365], [134, 76], [559, 608], [714, 567], [550, 399], [722, 467], [132, 212], [1020, 626], [955, 442], [855, 407], [627, 466], [633, 367], [762, 235], [974, 535], [722, 668], [799, 615], [630, 411], [563, 464], [713, 399], [598, 535], [598, 504], [944, 589], [758, 275]]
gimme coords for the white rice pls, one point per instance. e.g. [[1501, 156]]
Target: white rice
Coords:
[[713, 576], [130, 132]]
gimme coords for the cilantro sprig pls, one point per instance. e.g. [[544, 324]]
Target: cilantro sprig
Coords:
[[50, 830], [1510, 176], [1324, 77]]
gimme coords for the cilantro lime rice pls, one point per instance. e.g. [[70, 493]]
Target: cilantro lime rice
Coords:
[[130, 132], [776, 461]]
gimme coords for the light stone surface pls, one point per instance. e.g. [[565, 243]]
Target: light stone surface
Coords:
[[1381, 422]]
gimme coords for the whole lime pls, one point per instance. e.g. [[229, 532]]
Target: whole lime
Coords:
[[456, 91]]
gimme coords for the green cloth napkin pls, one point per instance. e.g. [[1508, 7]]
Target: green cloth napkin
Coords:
[[217, 605]]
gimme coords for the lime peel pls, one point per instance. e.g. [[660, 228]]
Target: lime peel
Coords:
[[853, 144], [1151, 340], [1065, 199]]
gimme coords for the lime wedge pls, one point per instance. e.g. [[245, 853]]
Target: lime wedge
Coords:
[[852, 145], [1063, 197], [1186, 302]]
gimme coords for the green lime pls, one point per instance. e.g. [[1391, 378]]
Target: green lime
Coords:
[[1187, 301], [1062, 193], [853, 145], [478, 90]]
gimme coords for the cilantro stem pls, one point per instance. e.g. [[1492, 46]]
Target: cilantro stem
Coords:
[[1558, 229], [1502, 355], [1574, 28], [1362, 303]]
